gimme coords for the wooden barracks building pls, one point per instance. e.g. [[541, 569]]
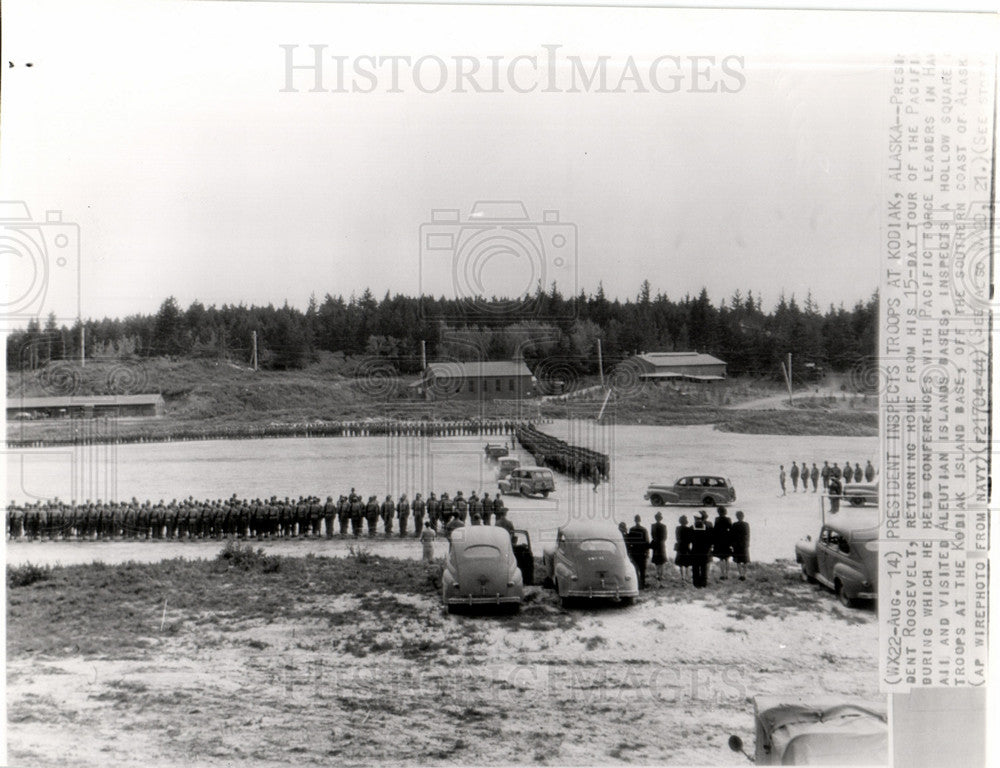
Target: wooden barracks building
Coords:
[[693, 366], [478, 380]]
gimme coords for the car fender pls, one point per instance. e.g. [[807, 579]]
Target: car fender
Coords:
[[805, 553], [563, 574], [850, 578]]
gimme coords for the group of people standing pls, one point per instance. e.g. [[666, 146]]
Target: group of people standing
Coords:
[[695, 546], [835, 476], [304, 517], [577, 462]]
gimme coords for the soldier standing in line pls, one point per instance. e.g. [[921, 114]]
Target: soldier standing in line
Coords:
[[419, 506], [739, 536], [315, 516], [357, 513], [781, 478], [836, 472], [858, 473], [487, 506], [403, 514], [794, 474], [825, 474], [475, 506], [329, 513], [848, 472], [869, 471], [343, 515], [446, 506], [433, 511], [461, 506], [371, 515], [388, 513], [814, 476]]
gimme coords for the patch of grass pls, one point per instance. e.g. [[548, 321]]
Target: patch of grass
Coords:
[[800, 422], [244, 557], [100, 610], [26, 575]]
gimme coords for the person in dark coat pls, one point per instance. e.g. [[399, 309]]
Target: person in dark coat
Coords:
[[739, 540], [835, 491], [858, 473], [794, 474], [637, 545], [419, 507], [371, 515], [682, 547], [825, 474], [869, 471], [848, 473], [701, 553], [814, 476], [658, 545], [403, 515], [720, 542]]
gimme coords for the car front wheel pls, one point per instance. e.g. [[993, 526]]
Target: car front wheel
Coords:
[[657, 500], [708, 501], [843, 597]]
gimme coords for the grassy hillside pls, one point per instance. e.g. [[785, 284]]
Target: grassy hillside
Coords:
[[221, 397]]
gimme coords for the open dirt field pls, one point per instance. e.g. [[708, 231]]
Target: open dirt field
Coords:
[[333, 661], [323, 467]]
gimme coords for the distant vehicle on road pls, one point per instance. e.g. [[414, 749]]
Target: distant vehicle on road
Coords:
[[494, 452], [528, 481], [861, 494], [701, 490], [844, 557], [481, 569], [507, 465], [818, 731], [589, 561]]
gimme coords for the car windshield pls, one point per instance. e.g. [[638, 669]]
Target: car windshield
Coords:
[[597, 545], [481, 552]]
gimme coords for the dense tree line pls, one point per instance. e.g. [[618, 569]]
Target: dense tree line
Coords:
[[738, 330]]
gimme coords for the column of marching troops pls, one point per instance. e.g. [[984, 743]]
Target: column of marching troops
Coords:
[[272, 518], [386, 427], [551, 452]]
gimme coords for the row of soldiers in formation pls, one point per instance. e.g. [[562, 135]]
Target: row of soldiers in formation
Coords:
[[83, 432], [307, 516], [836, 475], [572, 460]]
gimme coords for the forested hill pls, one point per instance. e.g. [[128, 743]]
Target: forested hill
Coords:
[[737, 329]]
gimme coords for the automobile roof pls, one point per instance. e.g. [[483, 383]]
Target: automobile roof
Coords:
[[857, 523], [473, 535], [578, 530], [532, 467]]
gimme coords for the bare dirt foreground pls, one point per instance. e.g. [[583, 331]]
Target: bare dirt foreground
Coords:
[[352, 660]]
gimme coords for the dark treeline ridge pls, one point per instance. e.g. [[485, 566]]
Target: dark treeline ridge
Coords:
[[545, 326]]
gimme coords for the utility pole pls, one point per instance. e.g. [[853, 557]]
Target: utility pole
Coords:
[[787, 371], [423, 355], [83, 344], [600, 362], [253, 359]]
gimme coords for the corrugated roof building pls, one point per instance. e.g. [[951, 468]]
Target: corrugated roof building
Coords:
[[695, 366]]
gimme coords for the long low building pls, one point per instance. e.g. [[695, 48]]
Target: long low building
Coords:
[[85, 406], [693, 366], [479, 380]]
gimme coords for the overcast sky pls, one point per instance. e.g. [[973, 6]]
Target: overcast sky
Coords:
[[162, 130]]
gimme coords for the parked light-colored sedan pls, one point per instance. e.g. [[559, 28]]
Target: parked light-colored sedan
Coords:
[[702, 490], [481, 569], [589, 561]]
